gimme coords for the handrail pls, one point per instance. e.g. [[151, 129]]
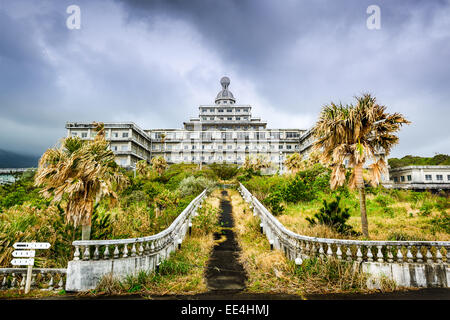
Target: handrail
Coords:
[[300, 246]]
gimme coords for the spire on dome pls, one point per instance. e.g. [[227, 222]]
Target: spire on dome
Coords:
[[225, 96]]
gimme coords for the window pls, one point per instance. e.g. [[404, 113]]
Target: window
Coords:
[[220, 110], [74, 134], [238, 110], [123, 162], [395, 179], [114, 148], [84, 134], [194, 147], [280, 146], [185, 147], [409, 177], [402, 178], [229, 118], [219, 147], [124, 134], [238, 118], [124, 148], [288, 147], [439, 177], [212, 110], [292, 135], [211, 118], [229, 147], [205, 118], [428, 177], [115, 134], [448, 177], [229, 110]]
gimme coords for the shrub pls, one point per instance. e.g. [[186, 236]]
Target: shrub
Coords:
[[426, 208], [224, 171], [194, 186], [332, 215], [297, 190], [442, 222], [274, 201], [206, 220]]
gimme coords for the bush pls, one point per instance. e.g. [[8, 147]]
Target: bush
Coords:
[[297, 190], [224, 171], [332, 215], [194, 186], [206, 220], [426, 209], [274, 201]]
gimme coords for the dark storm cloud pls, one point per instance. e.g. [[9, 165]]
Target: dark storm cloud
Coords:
[[153, 62]]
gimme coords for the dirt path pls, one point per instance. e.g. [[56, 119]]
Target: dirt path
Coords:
[[225, 274]]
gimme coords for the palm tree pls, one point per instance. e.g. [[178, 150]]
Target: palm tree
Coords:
[[82, 171], [142, 167], [294, 163], [357, 134], [159, 164]]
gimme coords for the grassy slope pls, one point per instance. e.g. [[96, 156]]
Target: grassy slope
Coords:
[[404, 219], [270, 271]]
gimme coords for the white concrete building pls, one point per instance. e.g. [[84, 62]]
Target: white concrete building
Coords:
[[222, 132], [420, 177]]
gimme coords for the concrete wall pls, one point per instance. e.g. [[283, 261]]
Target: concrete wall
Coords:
[[415, 275], [85, 275]]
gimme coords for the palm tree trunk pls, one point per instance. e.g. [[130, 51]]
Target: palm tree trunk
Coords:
[[362, 206], [362, 199], [86, 232]]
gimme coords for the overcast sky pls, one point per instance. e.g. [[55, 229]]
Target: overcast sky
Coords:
[[155, 62]]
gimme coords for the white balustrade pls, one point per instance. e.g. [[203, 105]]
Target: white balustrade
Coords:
[[42, 278]]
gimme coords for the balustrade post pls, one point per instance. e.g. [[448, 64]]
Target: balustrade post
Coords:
[[409, 254], [429, 255], [359, 253], [389, 254], [76, 255], [419, 254], [399, 254], [106, 253], [349, 254], [380, 254], [86, 253], [339, 252]]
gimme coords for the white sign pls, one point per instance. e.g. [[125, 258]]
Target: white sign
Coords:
[[31, 245], [24, 254], [22, 262]]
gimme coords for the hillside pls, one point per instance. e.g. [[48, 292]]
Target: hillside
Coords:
[[439, 159], [10, 159]]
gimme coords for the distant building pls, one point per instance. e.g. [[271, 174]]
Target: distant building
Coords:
[[222, 132], [420, 177]]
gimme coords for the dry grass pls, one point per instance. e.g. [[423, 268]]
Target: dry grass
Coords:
[[404, 220], [271, 272]]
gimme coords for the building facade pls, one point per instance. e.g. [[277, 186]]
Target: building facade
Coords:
[[420, 177], [222, 132]]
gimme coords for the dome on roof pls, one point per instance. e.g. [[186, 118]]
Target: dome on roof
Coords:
[[225, 94]]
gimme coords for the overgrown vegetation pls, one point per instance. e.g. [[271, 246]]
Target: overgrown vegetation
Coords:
[[183, 272], [146, 206], [269, 271], [297, 198], [439, 159]]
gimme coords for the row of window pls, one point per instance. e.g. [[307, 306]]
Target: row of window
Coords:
[[222, 118], [428, 177], [225, 110], [113, 135], [212, 158], [224, 135], [169, 147]]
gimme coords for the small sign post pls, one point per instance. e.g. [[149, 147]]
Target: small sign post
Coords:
[[28, 256]]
